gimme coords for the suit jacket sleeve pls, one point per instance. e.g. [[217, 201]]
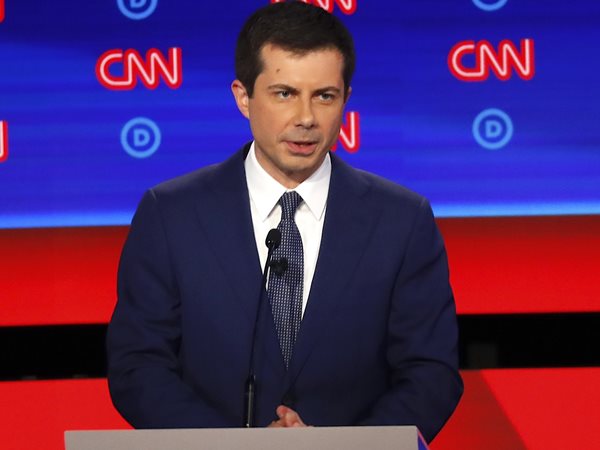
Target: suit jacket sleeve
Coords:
[[425, 385], [144, 335]]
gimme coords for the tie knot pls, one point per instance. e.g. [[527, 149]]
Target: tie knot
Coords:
[[289, 202]]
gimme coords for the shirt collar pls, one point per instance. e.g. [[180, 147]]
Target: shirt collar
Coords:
[[265, 191]]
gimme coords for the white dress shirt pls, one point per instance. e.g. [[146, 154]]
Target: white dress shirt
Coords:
[[265, 192]]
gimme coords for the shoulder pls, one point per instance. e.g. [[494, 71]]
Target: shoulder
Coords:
[[186, 184], [228, 174], [377, 190], [207, 188], [390, 190]]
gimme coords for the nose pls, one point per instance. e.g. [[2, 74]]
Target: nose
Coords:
[[305, 116]]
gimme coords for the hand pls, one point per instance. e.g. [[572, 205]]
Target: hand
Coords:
[[288, 418]]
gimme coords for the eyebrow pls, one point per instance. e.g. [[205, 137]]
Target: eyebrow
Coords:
[[285, 87]]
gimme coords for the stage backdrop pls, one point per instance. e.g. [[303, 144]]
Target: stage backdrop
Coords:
[[487, 107]]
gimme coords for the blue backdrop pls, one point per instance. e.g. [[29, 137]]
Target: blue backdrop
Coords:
[[67, 163]]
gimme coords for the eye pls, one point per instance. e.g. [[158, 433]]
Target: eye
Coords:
[[283, 94], [326, 96]]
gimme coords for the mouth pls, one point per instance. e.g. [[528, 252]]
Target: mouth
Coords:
[[302, 147]]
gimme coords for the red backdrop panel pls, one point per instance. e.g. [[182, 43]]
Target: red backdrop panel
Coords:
[[479, 422], [59, 275], [533, 409], [498, 265], [524, 264], [35, 414], [550, 408]]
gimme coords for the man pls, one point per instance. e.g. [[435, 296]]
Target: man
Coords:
[[359, 329]]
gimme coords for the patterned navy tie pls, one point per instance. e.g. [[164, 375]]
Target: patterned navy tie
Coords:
[[286, 284]]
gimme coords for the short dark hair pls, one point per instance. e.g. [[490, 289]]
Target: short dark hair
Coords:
[[294, 26]]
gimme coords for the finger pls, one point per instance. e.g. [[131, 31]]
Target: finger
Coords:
[[275, 424], [292, 418], [282, 410], [288, 417]]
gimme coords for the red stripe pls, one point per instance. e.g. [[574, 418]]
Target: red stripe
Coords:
[[498, 265]]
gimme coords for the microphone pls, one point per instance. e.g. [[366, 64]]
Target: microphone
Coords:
[[272, 242]]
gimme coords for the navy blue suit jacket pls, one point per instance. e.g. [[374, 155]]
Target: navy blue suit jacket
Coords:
[[377, 343]]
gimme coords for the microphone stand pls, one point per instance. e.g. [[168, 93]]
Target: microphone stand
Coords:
[[272, 242]]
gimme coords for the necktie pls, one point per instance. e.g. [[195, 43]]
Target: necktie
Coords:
[[285, 285]]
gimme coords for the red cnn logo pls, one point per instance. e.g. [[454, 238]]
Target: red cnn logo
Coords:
[[346, 6], [147, 70], [3, 141], [350, 133], [501, 62]]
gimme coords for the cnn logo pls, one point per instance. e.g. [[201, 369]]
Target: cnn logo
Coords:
[[149, 70], [501, 62]]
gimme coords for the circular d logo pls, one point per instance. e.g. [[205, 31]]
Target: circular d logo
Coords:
[[492, 128], [140, 137]]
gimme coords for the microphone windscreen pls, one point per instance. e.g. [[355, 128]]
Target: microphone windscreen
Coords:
[[273, 238]]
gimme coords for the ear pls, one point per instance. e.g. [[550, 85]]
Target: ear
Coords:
[[241, 97]]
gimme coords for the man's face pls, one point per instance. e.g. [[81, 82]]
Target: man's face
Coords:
[[295, 112]]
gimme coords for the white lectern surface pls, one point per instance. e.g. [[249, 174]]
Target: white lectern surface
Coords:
[[312, 438]]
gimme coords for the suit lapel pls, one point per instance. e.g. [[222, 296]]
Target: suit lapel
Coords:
[[223, 211], [349, 224]]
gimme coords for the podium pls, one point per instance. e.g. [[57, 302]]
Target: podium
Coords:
[[311, 438]]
